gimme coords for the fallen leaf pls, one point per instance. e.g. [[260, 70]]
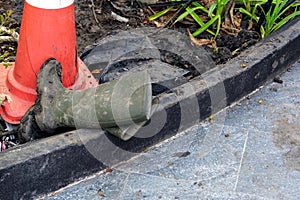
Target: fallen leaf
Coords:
[[108, 170], [211, 119], [211, 43], [243, 65], [229, 29], [96, 71], [237, 19], [100, 193], [158, 24], [181, 154], [232, 22], [146, 150]]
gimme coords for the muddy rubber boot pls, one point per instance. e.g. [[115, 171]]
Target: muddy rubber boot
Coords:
[[121, 106]]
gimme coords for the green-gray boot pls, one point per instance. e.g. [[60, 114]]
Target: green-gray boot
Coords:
[[121, 106]]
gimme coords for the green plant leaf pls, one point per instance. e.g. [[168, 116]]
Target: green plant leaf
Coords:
[[262, 32], [9, 12], [285, 20], [186, 13], [218, 27], [196, 18], [6, 65], [3, 56], [285, 10], [278, 9], [196, 4], [295, 4], [251, 15], [205, 27], [161, 13], [2, 19], [273, 17], [199, 21], [212, 9]]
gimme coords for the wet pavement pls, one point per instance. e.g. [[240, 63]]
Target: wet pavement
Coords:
[[248, 151]]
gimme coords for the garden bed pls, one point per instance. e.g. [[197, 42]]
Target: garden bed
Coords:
[[99, 18]]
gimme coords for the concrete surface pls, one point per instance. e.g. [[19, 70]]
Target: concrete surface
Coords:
[[248, 151]]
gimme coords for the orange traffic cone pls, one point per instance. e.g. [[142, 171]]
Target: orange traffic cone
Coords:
[[47, 30]]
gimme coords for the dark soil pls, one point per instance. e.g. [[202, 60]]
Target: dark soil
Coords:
[[95, 21]]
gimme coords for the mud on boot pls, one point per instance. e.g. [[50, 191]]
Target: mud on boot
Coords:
[[120, 107], [40, 120]]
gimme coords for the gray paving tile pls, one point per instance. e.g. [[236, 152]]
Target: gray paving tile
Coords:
[[110, 184], [261, 143], [251, 151], [271, 160], [266, 171], [119, 185], [153, 187], [247, 116], [207, 145], [215, 153], [260, 111]]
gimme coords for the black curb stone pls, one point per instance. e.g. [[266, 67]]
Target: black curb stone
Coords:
[[46, 165]]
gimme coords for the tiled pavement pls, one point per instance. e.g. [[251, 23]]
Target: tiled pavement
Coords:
[[250, 151]]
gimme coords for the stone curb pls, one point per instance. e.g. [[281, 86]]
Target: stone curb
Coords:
[[46, 165]]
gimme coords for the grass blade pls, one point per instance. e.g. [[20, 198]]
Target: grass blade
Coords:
[[285, 20], [199, 21], [186, 13], [205, 27], [161, 13]]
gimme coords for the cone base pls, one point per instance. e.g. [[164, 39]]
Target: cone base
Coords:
[[14, 107]]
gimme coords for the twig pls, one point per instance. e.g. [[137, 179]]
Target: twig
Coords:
[[231, 13], [229, 20], [7, 39], [119, 18], [93, 11], [178, 12], [100, 7], [164, 4], [116, 6], [14, 35]]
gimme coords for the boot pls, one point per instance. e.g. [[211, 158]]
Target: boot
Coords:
[[121, 106]]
